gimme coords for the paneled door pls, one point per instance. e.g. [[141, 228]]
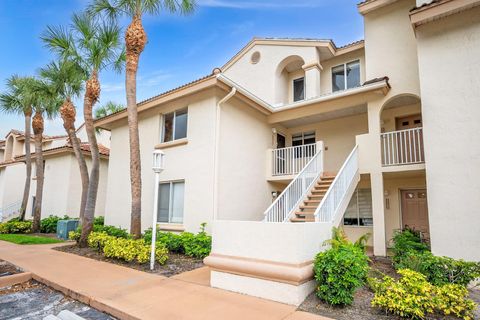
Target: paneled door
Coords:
[[415, 211]]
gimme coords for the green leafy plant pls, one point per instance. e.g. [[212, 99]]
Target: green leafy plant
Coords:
[[97, 240], [15, 226], [100, 221], [414, 297], [405, 242], [440, 270], [339, 272], [49, 224], [340, 238], [194, 245], [129, 250]]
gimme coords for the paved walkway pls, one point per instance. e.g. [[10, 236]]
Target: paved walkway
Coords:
[[132, 294]]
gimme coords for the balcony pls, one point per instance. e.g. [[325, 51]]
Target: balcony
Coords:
[[285, 163], [403, 147]]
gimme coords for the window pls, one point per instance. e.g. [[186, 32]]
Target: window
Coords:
[[346, 76], [175, 125], [359, 211], [299, 89], [170, 202], [299, 139]]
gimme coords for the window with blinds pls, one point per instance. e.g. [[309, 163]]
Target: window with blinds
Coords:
[[359, 211]]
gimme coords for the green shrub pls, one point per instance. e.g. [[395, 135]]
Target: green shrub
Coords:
[[405, 242], [49, 225], [194, 245], [16, 226], [97, 240], [412, 296], [130, 250], [339, 272], [99, 221], [440, 270], [74, 235], [115, 232]]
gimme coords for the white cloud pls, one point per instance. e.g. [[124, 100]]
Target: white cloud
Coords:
[[112, 87], [256, 4]]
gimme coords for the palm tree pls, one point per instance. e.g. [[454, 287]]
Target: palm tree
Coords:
[[18, 100], [46, 102], [66, 77], [107, 109], [135, 41], [95, 46]]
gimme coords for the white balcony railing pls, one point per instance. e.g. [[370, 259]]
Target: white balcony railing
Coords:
[[336, 200], [402, 147], [10, 211], [291, 160], [281, 209]]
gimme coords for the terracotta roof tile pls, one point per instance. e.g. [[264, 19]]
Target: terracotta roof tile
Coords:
[[22, 134], [161, 94], [351, 44]]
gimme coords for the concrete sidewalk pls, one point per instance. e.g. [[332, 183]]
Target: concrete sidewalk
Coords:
[[130, 294]]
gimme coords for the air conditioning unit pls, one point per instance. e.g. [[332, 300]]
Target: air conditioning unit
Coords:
[[64, 227]]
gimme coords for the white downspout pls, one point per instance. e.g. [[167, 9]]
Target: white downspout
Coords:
[[217, 147]]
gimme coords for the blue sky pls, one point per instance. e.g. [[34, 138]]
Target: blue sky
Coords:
[[180, 49]]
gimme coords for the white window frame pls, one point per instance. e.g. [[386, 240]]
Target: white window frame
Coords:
[[293, 89], [345, 80], [358, 212], [170, 201], [162, 138], [303, 133]]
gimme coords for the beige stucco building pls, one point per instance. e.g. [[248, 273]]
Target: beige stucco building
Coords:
[[293, 136], [62, 185]]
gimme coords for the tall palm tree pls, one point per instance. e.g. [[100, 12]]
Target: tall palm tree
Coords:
[[135, 41], [95, 46], [67, 77], [46, 102], [18, 100]]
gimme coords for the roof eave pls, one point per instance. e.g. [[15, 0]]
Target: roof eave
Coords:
[[439, 9]]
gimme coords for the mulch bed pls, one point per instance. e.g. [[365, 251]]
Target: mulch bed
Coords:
[[361, 307], [7, 269], [176, 263]]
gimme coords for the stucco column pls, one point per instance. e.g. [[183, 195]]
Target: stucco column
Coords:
[[378, 212], [312, 80]]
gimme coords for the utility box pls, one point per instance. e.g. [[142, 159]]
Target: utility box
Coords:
[[64, 227]]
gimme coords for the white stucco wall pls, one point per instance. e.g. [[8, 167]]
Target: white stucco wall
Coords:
[[192, 162], [449, 58], [245, 136]]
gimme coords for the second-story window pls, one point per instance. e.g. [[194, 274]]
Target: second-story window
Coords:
[[301, 139], [346, 76], [299, 89], [175, 125]]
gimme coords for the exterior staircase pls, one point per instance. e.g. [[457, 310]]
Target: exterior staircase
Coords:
[[306, 211]]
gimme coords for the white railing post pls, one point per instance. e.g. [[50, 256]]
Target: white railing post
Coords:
[[402, 147], [283, 206], [290, 160], [338, 190]]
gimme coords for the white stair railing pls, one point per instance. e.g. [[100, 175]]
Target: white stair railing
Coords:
[[281, 209], [402, 147], [291, 160], [10, 211], [341, 190]]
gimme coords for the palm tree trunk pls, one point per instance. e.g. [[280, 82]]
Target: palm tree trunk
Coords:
[[82, 165], [28, 163], [91, 96], [135, 40], [38, 131], [68, 114]]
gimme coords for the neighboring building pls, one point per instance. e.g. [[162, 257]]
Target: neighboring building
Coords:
[[392, 117], [62, 185]]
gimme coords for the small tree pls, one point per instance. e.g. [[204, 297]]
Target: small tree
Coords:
[[95, 46], [18, 99]]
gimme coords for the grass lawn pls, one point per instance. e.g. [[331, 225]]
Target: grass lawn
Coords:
[[28, 239]]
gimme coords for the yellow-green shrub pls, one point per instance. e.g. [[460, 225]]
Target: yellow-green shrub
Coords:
[[413, 296], [16, 226], [97, 240], [129, 250]]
